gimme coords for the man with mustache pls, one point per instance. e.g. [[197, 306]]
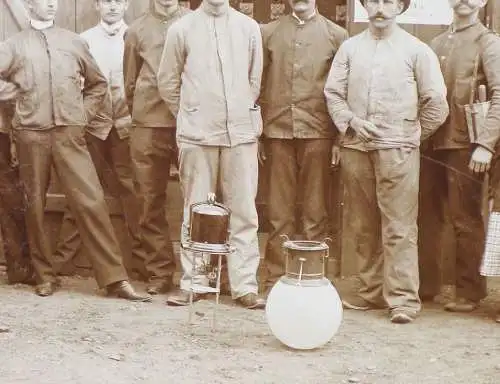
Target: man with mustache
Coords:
[[152, 137], [210, 77], [60, 90], [467, 45], [298, 52], [385, 94], [14, 238], [108, 143]]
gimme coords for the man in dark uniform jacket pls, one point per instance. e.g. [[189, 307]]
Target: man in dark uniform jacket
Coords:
[[467, 161]]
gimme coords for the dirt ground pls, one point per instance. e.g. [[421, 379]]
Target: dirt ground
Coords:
[[78, 336]]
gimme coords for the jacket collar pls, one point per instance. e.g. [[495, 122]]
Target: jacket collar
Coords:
[[162, 15], [465, 27], [302, 22]]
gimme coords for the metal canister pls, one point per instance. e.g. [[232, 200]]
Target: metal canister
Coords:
[[305, 260], [209, 223]]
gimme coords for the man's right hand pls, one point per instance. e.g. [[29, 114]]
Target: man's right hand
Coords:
[[365, 130]]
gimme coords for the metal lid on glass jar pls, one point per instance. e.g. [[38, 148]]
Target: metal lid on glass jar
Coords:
[[210, 208]]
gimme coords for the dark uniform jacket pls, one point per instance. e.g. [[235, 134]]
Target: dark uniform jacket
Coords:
[[457, 51], [297, 59], [144, 41], [58, 80]]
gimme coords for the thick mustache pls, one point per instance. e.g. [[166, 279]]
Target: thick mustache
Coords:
[[379, 15]]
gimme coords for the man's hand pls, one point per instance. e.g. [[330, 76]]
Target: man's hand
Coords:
[[366, 130], [261, 152], [480, 160], [335, 156]]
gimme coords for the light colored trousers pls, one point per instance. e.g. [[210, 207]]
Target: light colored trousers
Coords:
[[382, 205], [236, 168]]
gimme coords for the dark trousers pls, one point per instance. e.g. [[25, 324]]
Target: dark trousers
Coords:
[[463, 193], [153, 151], [431, 221], [299, 171], [12, 224], [111, 158], [65, 149]]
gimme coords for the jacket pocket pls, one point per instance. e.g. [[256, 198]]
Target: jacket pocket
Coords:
[[188, 124], [256, 119]]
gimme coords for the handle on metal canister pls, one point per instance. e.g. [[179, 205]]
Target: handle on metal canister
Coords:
[[284, 238], [302, 261], [211, 198], [328, 241]]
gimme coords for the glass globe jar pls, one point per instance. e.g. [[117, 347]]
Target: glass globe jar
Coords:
[[304, 314]]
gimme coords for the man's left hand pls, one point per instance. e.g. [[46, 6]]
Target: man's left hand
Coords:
[[480, 160]]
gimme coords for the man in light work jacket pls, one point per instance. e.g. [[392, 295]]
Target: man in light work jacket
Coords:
[[48, 65], [14, 238], [152, 138], [385, 94], [108, 144], [210, 77], [298, 52], [467, 160]]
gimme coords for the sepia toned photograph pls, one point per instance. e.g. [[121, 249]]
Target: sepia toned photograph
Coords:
[[249, 191]]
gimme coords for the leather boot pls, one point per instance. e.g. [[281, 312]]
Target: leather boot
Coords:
[[123, 289]]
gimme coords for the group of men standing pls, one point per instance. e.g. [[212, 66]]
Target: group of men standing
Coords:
[[215, 94]]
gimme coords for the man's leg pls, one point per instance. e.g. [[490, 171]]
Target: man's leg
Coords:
[[13, 226], [430, 223], [358, 177], [85, 196], [70, 241], [239, 178], [465, 202], [198, 170], [152, 155], [34, 154], [282, 197], [397, 173], [123, 189], [314, 160]]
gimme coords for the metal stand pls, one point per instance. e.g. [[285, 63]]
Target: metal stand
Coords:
[[213, 274]]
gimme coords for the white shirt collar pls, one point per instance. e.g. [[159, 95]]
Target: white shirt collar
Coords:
[[113, 29], [304, 21], [41, 24]]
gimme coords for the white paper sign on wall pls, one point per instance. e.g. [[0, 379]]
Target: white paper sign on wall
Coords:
[[429, 12]]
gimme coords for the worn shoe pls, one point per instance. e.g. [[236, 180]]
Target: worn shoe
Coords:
[[251, 301], [47, 289], [159, 286], [181, 298], [461, 305], [357, 303], [402, 316], [123, 290], [21, 273]]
